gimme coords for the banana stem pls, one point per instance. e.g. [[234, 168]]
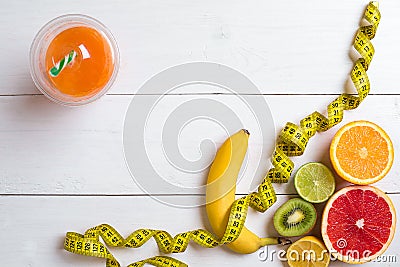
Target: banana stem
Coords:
[[275, 241]]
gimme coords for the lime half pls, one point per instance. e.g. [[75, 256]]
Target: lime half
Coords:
[[314, 182]]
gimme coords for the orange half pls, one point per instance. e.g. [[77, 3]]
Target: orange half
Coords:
[[361, 152]]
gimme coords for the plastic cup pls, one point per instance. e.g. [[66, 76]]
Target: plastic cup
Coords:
[[40, 70]]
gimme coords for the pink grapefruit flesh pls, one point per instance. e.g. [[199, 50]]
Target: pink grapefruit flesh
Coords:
[[358, 223]]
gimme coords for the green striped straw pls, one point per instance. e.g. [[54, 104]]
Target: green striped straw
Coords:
[[59, 66]]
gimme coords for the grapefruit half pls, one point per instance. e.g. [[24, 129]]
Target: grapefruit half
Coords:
[[358, 224]]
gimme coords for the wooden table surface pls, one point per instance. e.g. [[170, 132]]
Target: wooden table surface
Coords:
[[63, 169]]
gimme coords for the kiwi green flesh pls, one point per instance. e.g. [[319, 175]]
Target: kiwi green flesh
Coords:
[[295, 217]]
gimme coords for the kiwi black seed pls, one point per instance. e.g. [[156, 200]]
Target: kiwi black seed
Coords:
[[295, 217]]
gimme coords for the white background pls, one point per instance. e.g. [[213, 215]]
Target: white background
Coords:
[[62, 169]]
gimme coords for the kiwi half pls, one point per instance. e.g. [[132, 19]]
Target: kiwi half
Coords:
[[295, 217]]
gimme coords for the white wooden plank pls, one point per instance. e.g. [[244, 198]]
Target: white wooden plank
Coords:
[[49, 149], [33, 229], [284, 47]]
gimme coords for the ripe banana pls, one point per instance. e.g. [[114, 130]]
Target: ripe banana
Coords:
[[220, 194]]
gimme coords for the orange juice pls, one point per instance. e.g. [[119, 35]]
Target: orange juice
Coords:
[[92, 67], [74, 60]]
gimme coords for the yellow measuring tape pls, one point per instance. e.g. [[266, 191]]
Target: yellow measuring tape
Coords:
[[292, 141]]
